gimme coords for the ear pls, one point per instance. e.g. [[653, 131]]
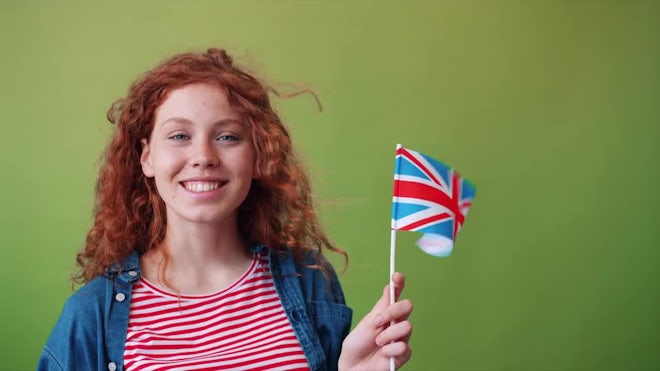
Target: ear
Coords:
[[145, 159]]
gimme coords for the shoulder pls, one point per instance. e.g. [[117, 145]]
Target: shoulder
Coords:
[[89, 295], [92, 290], [81, 308], [92, 298]]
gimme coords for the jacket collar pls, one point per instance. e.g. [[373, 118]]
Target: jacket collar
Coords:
[[128, 270]]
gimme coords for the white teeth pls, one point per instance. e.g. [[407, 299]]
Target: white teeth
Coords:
[[201, 186]]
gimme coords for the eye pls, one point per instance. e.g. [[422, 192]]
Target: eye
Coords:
[[179, 137], [227, 138]]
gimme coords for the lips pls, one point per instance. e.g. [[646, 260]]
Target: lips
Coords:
[[202, 186]]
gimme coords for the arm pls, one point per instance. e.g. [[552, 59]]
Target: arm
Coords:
[[71, 342], [372, 342], [77, 341]]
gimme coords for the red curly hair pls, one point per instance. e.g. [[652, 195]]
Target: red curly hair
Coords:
[[129, 213]]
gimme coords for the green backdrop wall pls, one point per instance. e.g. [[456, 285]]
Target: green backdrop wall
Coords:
[[550, 107]]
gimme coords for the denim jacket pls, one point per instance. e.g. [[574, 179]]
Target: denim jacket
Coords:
[[91, 331]]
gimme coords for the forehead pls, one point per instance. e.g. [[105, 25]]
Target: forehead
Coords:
[[196, 102]]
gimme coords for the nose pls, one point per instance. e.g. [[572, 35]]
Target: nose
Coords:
[[205, 155]]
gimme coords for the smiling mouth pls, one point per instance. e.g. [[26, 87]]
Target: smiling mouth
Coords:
[[198, 187]]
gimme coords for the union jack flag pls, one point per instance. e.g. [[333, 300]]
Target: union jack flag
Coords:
[[429, 196]]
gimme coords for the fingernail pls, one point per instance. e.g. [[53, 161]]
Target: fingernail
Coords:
[[379, 321]]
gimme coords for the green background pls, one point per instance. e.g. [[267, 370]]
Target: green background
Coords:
[[549, 107]]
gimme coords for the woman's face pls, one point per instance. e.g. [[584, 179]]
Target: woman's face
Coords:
[[200, 155]]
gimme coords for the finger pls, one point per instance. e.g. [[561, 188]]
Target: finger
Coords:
[[398, 311], [400, 331], [403, 359], [399, 350], [399, 281]]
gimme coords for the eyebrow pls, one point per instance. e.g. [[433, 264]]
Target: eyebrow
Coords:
[[183, 120]]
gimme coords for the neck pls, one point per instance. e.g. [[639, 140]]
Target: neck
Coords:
[[201, 244], [202, 258]]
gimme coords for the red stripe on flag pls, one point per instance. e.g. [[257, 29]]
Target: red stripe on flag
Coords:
[[425, 192], [455, 198], [419, 223]]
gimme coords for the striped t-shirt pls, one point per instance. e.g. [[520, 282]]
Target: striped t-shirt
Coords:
[[242, 327]]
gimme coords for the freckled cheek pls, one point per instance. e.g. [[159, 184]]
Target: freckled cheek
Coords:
[[166, 185], [172, 166]]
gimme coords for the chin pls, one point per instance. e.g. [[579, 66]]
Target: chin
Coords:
[[210, 218]]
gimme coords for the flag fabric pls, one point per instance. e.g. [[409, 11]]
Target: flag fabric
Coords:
[[429, 197]]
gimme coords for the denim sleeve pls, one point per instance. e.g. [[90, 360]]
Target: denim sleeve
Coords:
[[77, 341]]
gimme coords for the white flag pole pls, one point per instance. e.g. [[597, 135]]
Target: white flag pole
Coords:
[[392, 257]]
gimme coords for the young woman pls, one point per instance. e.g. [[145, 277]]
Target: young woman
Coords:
[[205, 251]]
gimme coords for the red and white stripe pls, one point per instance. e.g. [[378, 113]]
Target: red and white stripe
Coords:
[[242, 327]]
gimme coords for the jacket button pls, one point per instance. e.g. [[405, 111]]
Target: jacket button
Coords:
[[119, 297], [112, 366], [132, 273]]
